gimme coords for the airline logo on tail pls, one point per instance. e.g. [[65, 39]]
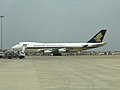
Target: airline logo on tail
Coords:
[[98, 37]]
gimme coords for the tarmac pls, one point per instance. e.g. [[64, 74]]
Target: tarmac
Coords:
[[61, 73]]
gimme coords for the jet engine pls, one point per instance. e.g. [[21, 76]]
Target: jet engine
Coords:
[[62, 50], [47, 51]]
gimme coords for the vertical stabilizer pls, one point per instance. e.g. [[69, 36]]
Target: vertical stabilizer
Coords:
[[98, 38]]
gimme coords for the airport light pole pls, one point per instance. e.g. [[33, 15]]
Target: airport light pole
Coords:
[[1, 32]]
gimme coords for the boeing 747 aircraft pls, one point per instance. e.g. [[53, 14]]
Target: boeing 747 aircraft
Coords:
[[58, 48]]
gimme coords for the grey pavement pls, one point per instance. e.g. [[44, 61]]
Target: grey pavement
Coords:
[[60, 73]]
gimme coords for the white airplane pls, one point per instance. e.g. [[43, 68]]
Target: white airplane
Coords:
[[58, 48]]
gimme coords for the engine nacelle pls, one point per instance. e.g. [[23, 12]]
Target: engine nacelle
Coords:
[[47, 51], [62, 50]]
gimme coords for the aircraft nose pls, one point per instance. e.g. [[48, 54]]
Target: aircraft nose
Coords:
[[17, 47]]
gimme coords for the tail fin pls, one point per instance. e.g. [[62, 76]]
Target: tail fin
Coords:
[[98, 38]]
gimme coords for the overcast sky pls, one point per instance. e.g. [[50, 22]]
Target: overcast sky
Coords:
[[60, 21]]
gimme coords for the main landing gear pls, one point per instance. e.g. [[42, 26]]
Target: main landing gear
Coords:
[[57, 54]]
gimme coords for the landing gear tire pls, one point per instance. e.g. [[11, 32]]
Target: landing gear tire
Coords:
[[21, 57], [9, 57], [57, 54]]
